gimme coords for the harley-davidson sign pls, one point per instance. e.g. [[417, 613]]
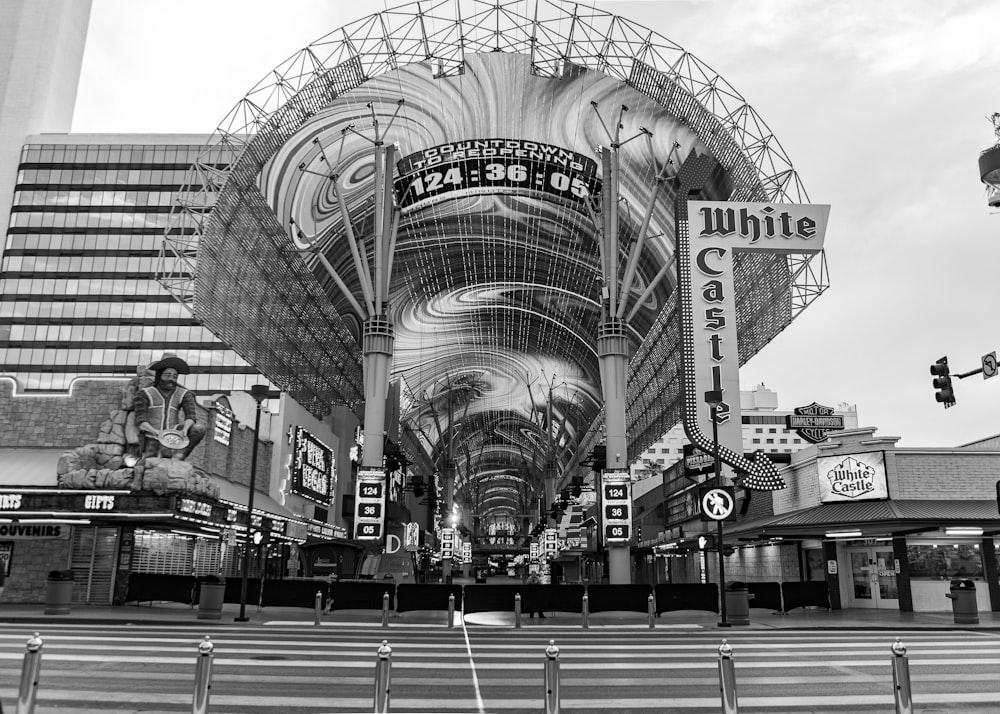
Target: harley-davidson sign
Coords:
[[814, 422], [858, 477]]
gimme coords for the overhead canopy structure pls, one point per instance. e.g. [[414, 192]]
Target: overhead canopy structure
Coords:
[[496, 279]]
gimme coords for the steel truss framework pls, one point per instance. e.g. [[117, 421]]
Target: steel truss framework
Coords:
[[235, 266]]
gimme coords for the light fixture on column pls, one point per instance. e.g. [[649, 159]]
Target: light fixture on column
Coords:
[[259, 392]]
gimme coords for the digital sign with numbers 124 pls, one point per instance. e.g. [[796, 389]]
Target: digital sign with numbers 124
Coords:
[[369, 505], [617, 511]]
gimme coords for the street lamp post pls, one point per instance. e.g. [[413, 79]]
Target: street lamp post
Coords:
[[259, 392], [713, 398]]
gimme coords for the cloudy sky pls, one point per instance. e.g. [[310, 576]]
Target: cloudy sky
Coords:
[[881, 107]]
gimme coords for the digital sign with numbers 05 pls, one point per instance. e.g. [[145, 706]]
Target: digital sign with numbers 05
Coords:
[[369, 505], [494, 166], [617, 492]]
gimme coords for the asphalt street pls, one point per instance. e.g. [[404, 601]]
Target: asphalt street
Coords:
[[292, 668]]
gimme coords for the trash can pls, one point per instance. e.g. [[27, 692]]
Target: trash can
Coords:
[[737, 603], [211, 595], [59, 592], [963, 602]]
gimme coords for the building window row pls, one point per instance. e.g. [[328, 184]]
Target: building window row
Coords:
[[57, 310], [113, 358], [82, 287], [203, 383], [123, 177], [111, 153], [134, 199], [86, 264], [89, 219], [72, 242], [184, 334]]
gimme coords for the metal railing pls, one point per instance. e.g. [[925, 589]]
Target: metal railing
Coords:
[[31, 671]]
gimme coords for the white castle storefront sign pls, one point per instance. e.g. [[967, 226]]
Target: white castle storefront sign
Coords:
[[858, 477]]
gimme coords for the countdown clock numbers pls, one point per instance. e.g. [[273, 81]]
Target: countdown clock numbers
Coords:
[[445, 178], [617, 509], [369, 506]]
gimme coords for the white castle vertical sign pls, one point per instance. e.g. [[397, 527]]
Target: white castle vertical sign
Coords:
[[715, 231]]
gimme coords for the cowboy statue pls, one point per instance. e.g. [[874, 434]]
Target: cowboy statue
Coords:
[[159, 409]]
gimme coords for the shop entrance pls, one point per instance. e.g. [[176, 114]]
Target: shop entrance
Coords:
[[873, 578]]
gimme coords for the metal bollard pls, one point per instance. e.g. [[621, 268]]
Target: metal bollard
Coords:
[[451, 610], [727, 679], [901, 679], [552, 678], [318, 608], [383, 670], [203, 676], [517, 610], [29, 676], [651, 609], [585, 609], [385, 609]]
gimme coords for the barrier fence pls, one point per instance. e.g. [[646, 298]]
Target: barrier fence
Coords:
[[31, 669], [567, 598]]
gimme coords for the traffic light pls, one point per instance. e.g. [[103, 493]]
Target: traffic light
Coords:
[[599, 458], [942, 383]]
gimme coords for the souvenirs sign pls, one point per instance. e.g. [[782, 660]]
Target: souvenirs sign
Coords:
[[706, 242], [857, 477], [814, 421]]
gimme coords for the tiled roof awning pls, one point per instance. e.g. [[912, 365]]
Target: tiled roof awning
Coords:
[[874, 517]]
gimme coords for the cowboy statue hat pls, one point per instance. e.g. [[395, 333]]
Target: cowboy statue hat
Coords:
[[168, 360]]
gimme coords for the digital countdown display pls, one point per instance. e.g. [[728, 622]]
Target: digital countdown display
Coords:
[[494, 166], [617, 497], [369, 504], [313, 474]]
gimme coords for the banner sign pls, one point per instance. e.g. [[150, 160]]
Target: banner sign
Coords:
[[858, 477], [369, 504], [493, 166], [411, 537]]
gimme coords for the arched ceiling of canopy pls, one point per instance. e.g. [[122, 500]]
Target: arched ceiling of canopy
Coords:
[[495, 293]]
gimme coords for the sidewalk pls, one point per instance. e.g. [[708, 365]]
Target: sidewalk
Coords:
[[167, 613]]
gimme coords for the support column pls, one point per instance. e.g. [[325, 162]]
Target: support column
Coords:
[[377, 345], [612, 352], [550, 476], [448, 474]]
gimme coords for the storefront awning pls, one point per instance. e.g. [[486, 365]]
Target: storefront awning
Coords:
[[873, 518]]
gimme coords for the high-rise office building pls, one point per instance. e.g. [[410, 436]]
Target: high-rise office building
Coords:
[[78, 294]]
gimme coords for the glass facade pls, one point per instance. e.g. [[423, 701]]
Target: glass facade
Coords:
[[78, 294]]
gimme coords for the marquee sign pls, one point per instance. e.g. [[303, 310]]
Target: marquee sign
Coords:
[[222, 428], [494, 166], [705, 245], [858, 477], [312, 470], [814, 421]]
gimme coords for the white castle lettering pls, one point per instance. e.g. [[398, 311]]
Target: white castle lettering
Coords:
[[851, 478], [766, 223]]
